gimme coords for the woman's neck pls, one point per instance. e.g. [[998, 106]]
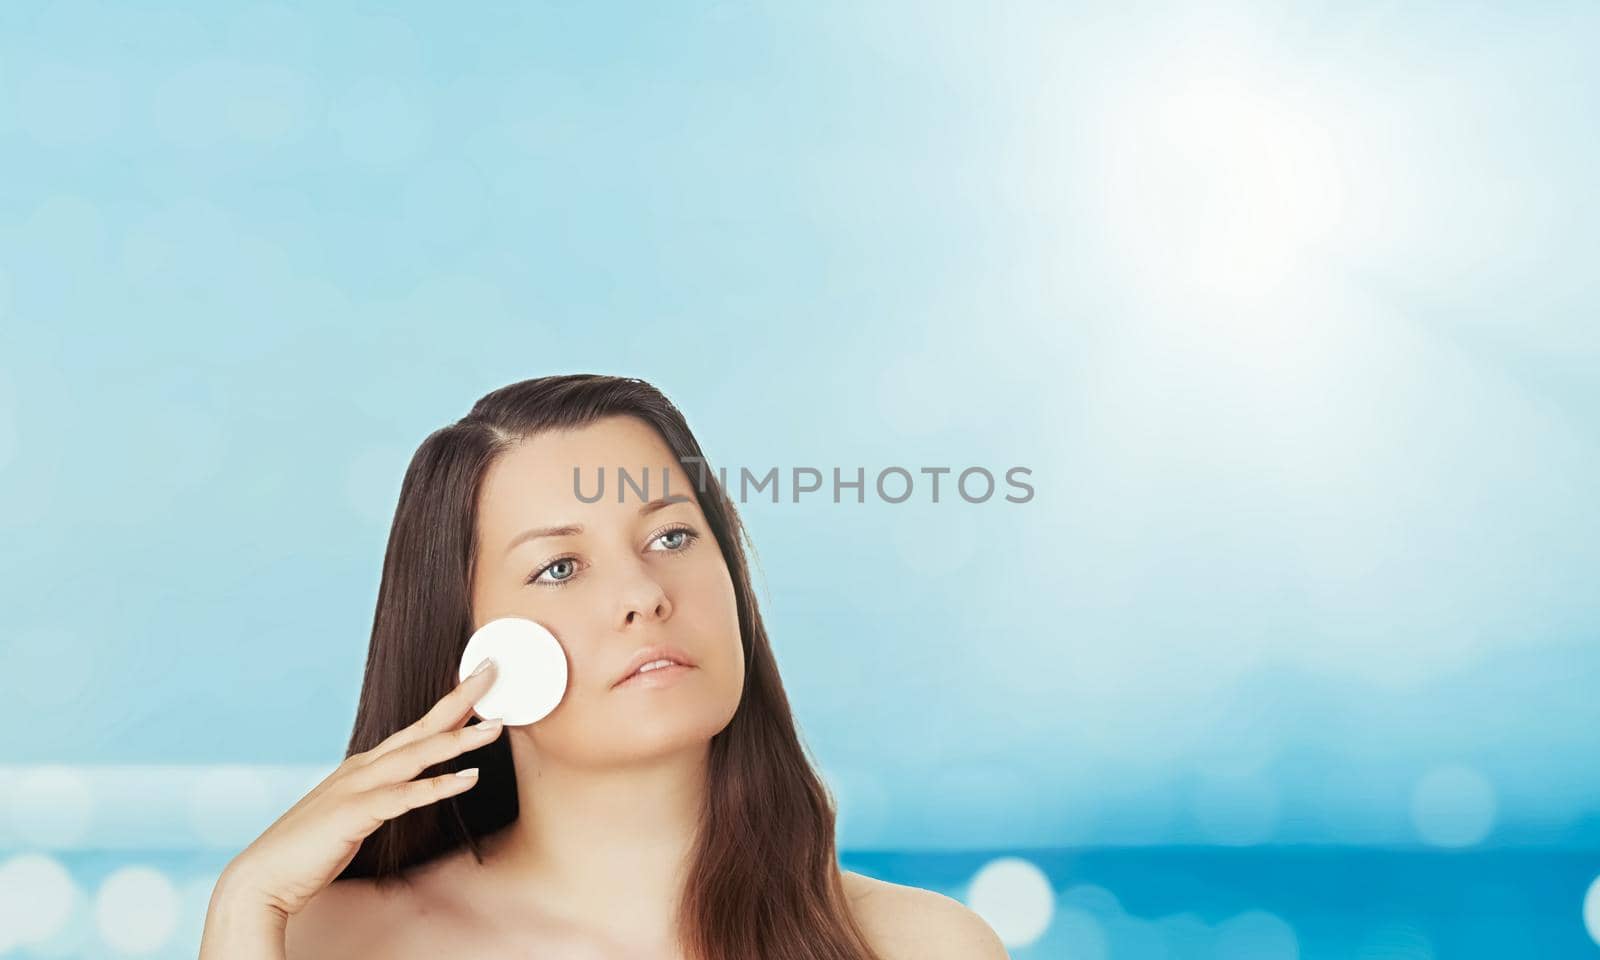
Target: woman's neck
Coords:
[[605, 849]]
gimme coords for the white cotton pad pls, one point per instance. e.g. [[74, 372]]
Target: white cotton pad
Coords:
[[531, 670]]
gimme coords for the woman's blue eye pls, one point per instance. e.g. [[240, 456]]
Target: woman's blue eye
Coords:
[[685, 538], [688, 537]]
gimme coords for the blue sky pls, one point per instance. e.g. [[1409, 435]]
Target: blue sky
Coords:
[[1288, 308]]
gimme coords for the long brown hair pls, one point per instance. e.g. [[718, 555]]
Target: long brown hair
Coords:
[[764, 881]]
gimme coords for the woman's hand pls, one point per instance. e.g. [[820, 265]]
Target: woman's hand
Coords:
[[307, 847]]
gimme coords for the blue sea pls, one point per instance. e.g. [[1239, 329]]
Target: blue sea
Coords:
[[1138, 903], [1336, 903]]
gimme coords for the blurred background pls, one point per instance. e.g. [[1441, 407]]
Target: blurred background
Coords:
[[1288, 308]]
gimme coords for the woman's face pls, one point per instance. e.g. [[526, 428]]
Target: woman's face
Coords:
[[620, 580]]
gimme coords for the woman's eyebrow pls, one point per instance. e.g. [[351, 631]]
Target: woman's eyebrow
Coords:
[[573, 529]]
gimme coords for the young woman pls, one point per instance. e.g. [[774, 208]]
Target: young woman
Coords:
[[675, 817]]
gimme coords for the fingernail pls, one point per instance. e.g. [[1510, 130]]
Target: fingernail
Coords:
[[489, 726], [469, 772], [482, 666]]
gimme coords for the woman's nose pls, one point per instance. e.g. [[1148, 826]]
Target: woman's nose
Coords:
[[642, 597]]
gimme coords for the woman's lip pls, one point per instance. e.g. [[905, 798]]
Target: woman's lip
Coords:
[[659, 677], [644, 656]]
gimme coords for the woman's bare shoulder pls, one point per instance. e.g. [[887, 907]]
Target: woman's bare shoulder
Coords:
[[904, 922]]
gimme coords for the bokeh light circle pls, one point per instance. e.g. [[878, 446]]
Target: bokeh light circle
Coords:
[[37, 895], [1591, 911], [230, 806], [1453, 806], [52, 807], [1081, 935], [1014, 897], [136, 910], [1256, 935]]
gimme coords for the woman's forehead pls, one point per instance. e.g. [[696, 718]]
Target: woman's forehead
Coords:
[[556, 474]]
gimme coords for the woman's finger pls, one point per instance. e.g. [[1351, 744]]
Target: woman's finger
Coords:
[[390, 801], [450, 712], [406, 761]]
